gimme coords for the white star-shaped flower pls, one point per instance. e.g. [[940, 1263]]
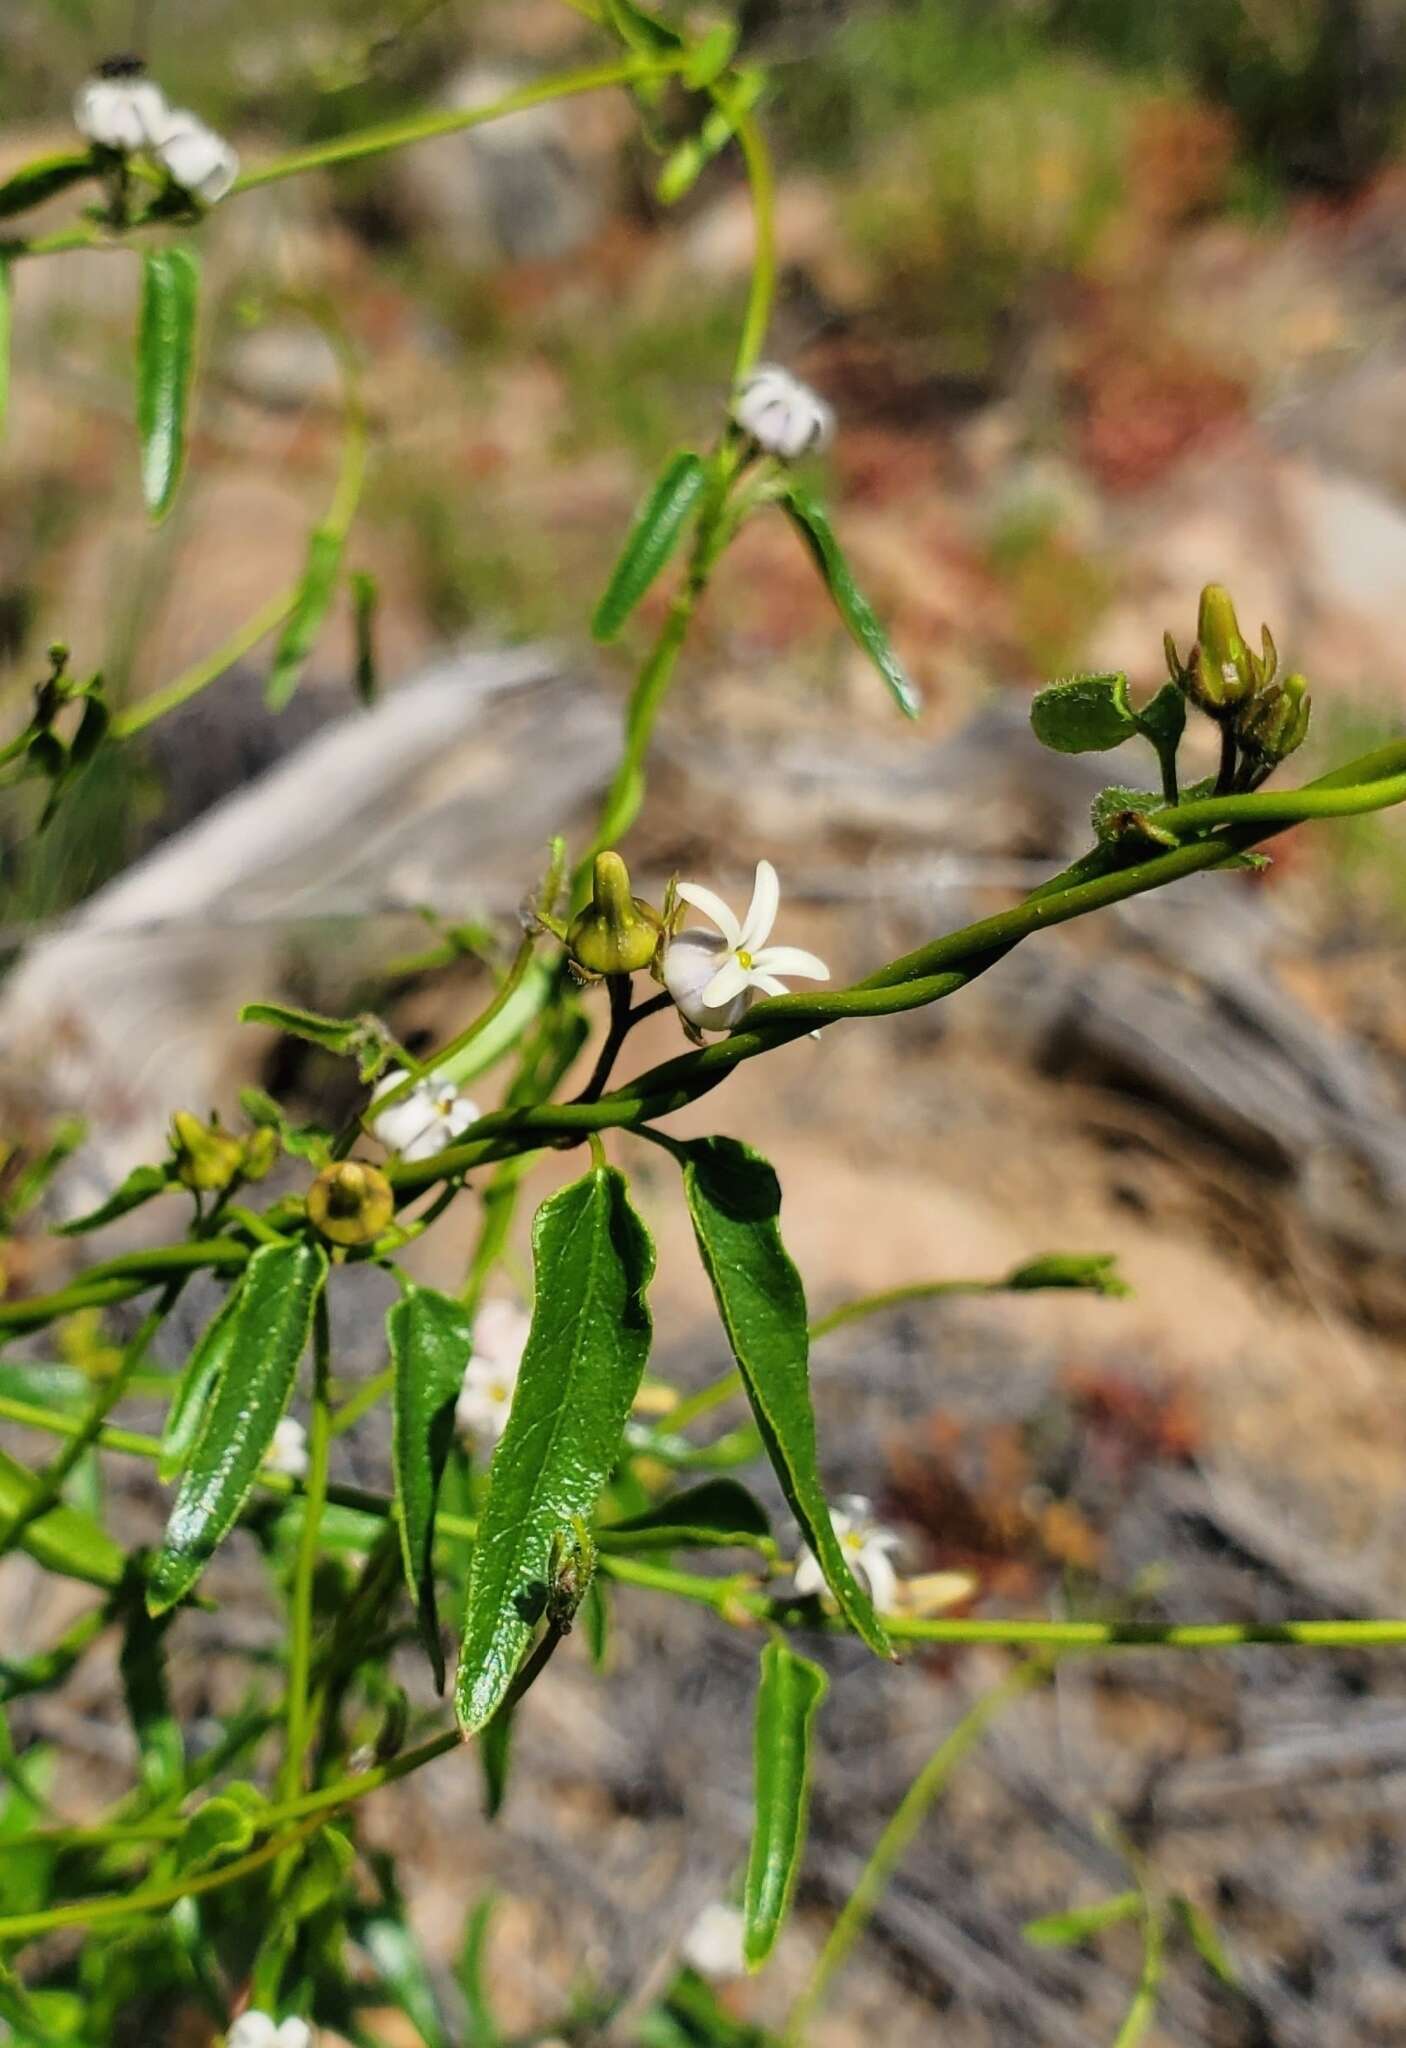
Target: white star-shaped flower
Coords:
[[714, 977], [783, 416], [426, 1119], [121, 109], [201, 162], [288, 1453], [866, 1545], [500, 1337], [257, 2030]]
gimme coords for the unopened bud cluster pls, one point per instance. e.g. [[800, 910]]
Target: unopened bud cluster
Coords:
[[208, 1159], [123, 112], [1223, 676]]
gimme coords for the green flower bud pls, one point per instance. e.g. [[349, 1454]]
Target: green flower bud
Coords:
[[207, 1158], [1275, 722], [261, 1149], [1221, 673], [351, 1203], [616, 933]]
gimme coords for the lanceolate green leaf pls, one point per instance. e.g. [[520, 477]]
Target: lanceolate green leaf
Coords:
[[269, 1332], [735, 1201], [658, 528], [580, 1372], [160, 1748], [717, 1514], [791, 1690], [165, 365], [64, 1540], [430, 1337], [141, 1184], [192, 1395], [1063, 1930], [810, 521], [305, 621], [42, 180]]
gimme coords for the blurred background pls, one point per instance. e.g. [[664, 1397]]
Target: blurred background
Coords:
[[1110, 301]]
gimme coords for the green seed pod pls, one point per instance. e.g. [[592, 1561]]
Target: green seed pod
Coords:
[[207, 1158], [351, 1203], [616, 933]]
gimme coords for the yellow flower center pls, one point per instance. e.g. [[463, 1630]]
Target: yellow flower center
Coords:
[[744, 959]]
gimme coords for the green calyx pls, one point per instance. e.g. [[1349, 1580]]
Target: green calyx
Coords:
[[617, 932], [207, 1159], [1275, 722]]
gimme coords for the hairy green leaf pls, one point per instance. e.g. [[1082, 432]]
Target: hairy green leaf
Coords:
[[791, 1689], [63, 1539], [1163, 718], [42, 180], [585, 1357], [430, 1337], [717, 1514], [656, 532], [1065, 1930], [141, 1185], [1084, 714], [734, 1199], [269, 1332], [165, 367], [310, 610], [809, 518]]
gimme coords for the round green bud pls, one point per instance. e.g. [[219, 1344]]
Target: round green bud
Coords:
[[617, 933], [261, 1149], [206, 1158], [351, 1203]]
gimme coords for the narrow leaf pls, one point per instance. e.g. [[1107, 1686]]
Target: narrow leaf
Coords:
[[39, 181], [192, 1396], [430, 1338], [141, 1185], [165, 366], [305, 621], [692, 156], [400, 1961], [366, 598], [1095, 1271], [585, 1356], [734, 1199], [334, 1034], [717, 1514], [269, 1331], [7, 321], [1205, 1938], [656, 532], [1065, 1930], [809, 518], [495, 1748], [471, 1976], [143, 1667], [63, 1539], [710, 56], [791, 1690], [1084, 714]]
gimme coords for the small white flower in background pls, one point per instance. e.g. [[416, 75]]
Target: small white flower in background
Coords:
[[121, 108], [714, 977], [500, 1337], [288, 1453], [866, 1545], [201, 162], [257, 2030], [783, 416], [713, 1945], [431, 1116]]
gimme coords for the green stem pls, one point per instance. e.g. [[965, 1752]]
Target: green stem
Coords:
[[762, 293], [1143, 2010], [894, 1842], [138, 716], [301, 1615], [120, 1278]]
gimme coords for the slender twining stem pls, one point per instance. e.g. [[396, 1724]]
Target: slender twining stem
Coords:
[[762, 292], [304, 1572], [894, 1842], [623, 1020], [189, 684], [1143, 2010]]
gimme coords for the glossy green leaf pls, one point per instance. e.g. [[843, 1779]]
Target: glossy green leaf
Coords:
[[658, 527], [63, 1539], [717, 1514], [39, 181], [430, 1337], [308, 615], [269, 1330], [219, 1829], [1066, 1930], [186, 1412], [142, 1184], [734, 1199], [810, 521], [366, 598], [1084, 714], [581, 1370], [165, 368], [160, 1748], [791, 1690]]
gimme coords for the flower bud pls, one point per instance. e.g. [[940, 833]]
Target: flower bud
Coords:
[[260, 1151], [783, 416], [351, 1203], [194, 157], [207, 1158], [1221, 673], [616, 933], [1275, 722], [119, 108]]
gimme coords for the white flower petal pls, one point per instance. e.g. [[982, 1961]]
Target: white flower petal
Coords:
[[690, 962], [712, 906], [873, 1567], [198, 160], [127, 114], [288, 1452], [808, 1577], [500, 1333], [713, 1945], [767, 983], [731, 980], [790, 960], [761, 911]]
